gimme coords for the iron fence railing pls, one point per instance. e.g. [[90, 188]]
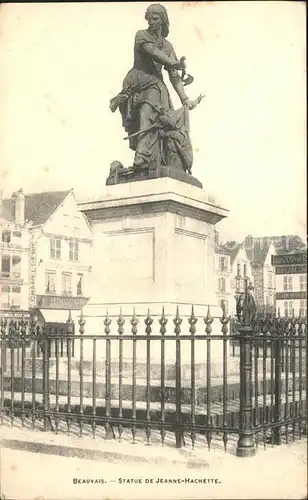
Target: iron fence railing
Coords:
[[186, 380]]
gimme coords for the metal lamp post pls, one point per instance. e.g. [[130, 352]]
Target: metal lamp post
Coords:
[[246, 313]]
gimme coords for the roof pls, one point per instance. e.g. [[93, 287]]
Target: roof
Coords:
[[288, 243], [222, 249], [7, 210], [299, 250], [232, 248], [38, 206], [257, 247]]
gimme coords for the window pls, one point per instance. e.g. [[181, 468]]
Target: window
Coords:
[[288, 307], [238, 269], [66, 283], [245, 270], [50, 281], [303, 282], [5, 296], [285, 308], [55, 248], [6, 237], [16, 267], [303, 308], [237, 285], [15, 297], [6, 266], [224, 305], [73, 249], [79, 284], [222, 285], [11, 267], [222, 263], [17, 234], [287, 283], [11, 297]]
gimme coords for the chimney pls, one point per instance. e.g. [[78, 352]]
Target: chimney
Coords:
[[19, 199], [216, 237]]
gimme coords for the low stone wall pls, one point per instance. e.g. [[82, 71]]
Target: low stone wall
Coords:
[[86, 367]]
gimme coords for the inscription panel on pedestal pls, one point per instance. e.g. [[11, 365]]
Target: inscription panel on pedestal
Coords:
[[190, 264], [131, 254]]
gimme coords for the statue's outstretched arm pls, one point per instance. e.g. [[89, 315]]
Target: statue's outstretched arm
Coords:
[[177, 84], [161, 57]]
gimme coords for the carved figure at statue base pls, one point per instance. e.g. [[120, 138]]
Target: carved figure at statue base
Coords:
[[157, 133]]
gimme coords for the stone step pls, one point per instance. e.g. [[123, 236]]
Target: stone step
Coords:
[[155, 394], [86, 367]]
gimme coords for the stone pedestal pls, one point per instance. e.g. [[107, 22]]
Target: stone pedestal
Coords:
[[153, 246], [153, 242]]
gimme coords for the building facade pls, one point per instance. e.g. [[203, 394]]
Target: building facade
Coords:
[[223, 277], [232, 267], [291, 283], [60, 251], [57, 254], [261, 252], [14, 255]]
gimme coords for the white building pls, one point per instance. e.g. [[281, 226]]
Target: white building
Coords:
[[261, 252], [14, 254], [223, 277], [232, 266], [58, 254]]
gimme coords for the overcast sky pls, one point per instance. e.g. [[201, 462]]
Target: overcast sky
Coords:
[[61, 64]]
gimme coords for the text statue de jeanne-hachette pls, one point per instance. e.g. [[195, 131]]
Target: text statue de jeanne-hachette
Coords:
[[158, 134]]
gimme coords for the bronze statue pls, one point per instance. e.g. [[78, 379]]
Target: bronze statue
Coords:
[[157, 133]]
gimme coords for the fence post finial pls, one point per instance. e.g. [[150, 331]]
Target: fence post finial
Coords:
[[192, 320], [148, 321], [163, 321], [208, 320], [69, 319], [246, 309], [134, 322], [107, 323]]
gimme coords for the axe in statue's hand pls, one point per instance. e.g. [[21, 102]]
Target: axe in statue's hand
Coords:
[[186, 79]]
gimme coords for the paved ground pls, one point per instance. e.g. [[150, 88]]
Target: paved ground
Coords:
[[279, 472]]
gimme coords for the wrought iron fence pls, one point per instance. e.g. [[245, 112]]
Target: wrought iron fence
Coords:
[[203, 392]]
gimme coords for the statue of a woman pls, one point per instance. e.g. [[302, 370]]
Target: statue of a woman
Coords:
[[145, 102]]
